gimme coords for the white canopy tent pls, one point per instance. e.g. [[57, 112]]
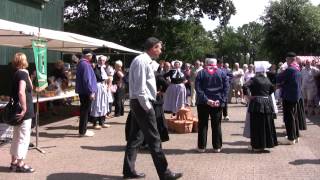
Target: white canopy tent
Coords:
[[20, 35]]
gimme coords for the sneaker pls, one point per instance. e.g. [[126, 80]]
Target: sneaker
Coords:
[[105, 125], [87, 134], [217, 150], [96, 127], [201, 150], [297, 140], [226, 118]]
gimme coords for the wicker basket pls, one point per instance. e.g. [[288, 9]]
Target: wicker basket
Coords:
[[183, 126], [195, 124], [47, 93], [170, 124]]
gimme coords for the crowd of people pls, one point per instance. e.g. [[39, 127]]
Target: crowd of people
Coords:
[[99, 88], [169, 87]]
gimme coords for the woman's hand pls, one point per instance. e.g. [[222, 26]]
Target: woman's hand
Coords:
[[20, 115]]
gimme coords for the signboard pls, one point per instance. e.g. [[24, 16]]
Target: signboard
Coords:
[[40, 59]]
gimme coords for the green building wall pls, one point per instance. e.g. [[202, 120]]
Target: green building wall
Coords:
[[28, 12]]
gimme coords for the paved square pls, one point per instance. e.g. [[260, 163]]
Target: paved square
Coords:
[[69, 157]]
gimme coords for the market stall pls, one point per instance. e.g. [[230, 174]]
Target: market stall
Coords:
[[20, 35]]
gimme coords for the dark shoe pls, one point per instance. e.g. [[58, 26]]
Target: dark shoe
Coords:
[[134, 176], [24, 169], [13, 167], [171, 175]]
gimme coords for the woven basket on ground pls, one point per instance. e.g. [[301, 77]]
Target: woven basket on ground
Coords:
[[184, 122]]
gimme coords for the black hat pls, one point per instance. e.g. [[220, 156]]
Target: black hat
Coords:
[[291, 54], [150, 42], [87, 52]]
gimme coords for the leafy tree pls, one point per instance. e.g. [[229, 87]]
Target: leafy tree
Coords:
[[186, 40], [131, 21], [251, 37], [292, 25], [228, 44]]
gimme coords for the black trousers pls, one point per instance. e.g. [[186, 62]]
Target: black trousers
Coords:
[[119, 101], [225, 109], [110, 108], [85, 105], [143, 125], [290, 119], [203, 115], [100, 120]]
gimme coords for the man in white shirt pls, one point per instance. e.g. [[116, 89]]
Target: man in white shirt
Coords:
[[309, 88], [195, 70], [249, 74], [237, 82], [142, 92]]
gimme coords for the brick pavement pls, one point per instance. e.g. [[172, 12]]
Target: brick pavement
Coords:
[[69, 157]]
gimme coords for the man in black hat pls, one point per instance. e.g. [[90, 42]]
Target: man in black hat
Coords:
[[86, 87], [290, 83], [142, 92]]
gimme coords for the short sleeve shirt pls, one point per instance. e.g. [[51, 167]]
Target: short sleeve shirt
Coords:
[[18, 76]]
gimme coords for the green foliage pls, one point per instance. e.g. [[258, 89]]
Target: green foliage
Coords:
[[242, 45], [251, 37], [292, 25], [228, 43], [186, 40], [130, 22]]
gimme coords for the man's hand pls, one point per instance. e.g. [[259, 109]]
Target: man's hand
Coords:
[[213, 103], [216, 103], [92, 96]]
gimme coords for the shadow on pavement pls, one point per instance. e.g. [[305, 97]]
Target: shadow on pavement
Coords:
[[237, 143], [68, 127], [4, 169], [281, 134], [56, 135], [141, 151], [105, 148], [305, 161], [80, 176], [236, 151], [115, 123], [179, 151], [314, 120], [282, 127], [241, 122]]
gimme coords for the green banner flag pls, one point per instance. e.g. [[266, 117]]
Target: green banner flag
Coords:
[[40, 59]]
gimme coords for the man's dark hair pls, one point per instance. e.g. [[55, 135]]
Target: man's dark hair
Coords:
[[87, 51], [210, 56], [150, 42], [219, 61], [291, 54]]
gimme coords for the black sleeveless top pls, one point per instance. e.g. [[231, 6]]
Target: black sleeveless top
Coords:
[[18, 76]]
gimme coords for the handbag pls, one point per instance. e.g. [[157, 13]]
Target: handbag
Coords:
[[10, 111]]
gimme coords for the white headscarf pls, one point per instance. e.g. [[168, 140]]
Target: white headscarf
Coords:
[[261, 66]]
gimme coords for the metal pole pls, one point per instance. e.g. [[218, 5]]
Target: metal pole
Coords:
[[37, 104]]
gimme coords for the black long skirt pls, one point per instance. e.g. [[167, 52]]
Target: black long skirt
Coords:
[[263, 131], [300, 114]]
